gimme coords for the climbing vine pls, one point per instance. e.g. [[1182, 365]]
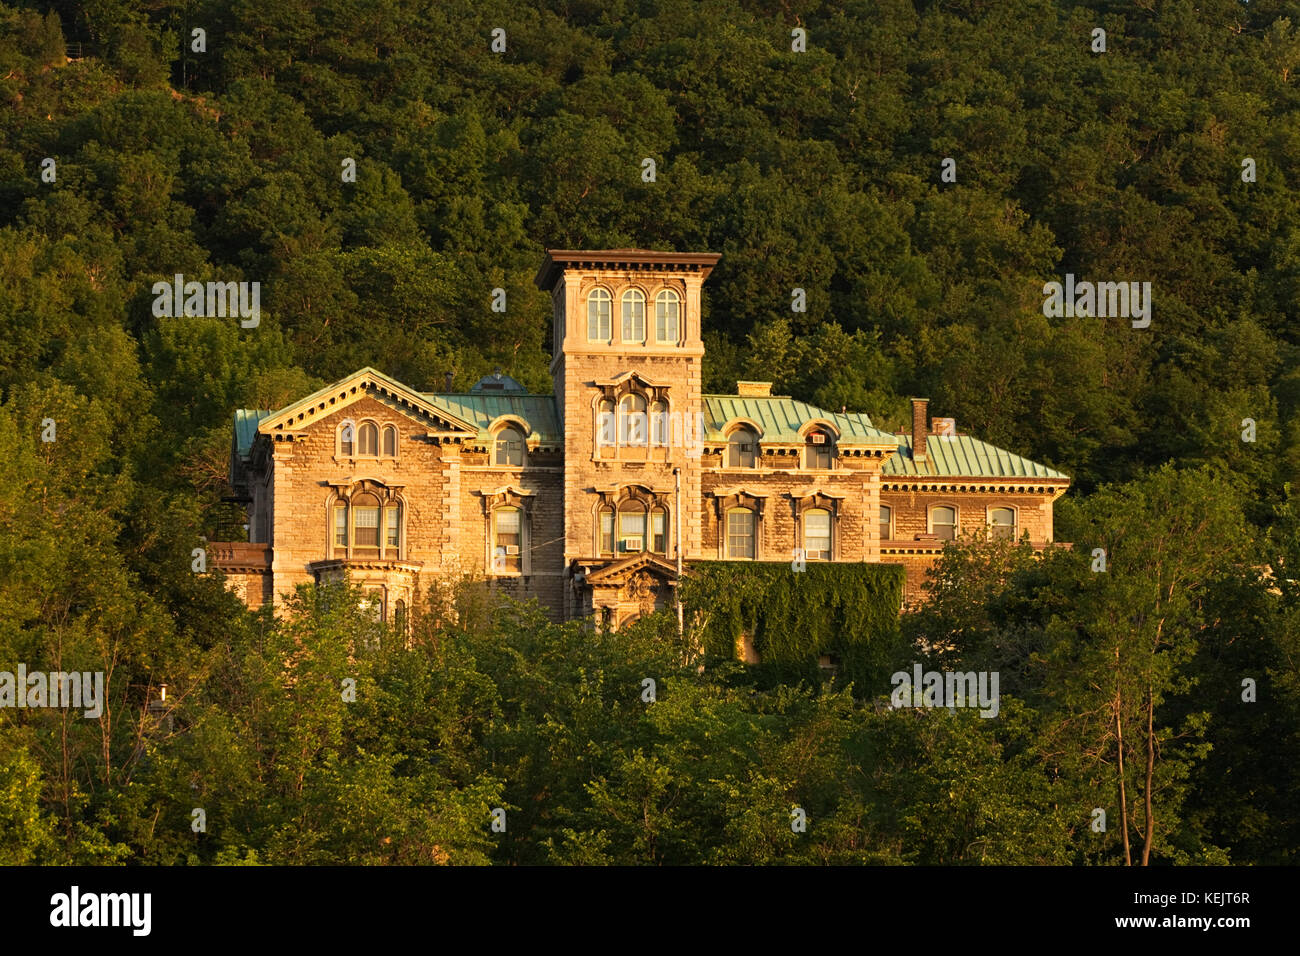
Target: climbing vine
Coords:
[[847, 611]]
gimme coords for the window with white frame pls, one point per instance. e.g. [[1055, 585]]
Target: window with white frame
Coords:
[[507, 540], [817, 534], [886, 523], [943, 522], [667, 317], [598, 315], [1002, 524], [740, 533], [634, 316]]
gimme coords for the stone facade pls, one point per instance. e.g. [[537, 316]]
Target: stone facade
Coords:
[[579, 500]]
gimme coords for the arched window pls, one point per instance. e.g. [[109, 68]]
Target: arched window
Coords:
[[510, 447], [667, 317], [742, 449], [347, 439], [365, 523], [606, 428], [659, 531], [943, 522], [1002, 524], [598, 311], [740, 533], [632, 421], [886, 523], [399, 616], [634, 316], [606, 543], [817, 534], [507, 544], [817, 450], [390, 441], [659, 425], [631, 527], [368, 435]]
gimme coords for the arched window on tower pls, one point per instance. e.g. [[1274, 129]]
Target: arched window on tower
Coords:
[[634, 316], [632, 421], [667, 317], [598, 313]]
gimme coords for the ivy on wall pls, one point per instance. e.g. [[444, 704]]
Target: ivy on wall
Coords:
[[848, 611]]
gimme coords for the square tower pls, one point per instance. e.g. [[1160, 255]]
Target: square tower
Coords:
[[627, 372]]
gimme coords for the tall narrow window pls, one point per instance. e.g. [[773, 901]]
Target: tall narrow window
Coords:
[[607, 531], [509, 537], [606, 426], [369, 439], [886, 523], [667, 321], [659, 531], [659, 425], [742, 449], [740, 533], [631, 528], [392, 530], [818, 450], [598, 310], [365, 522], [1002, 524], [390, 441], [340, 526], [632, 421], [399, 617], [510, 447], [943, 522], [347, 439], [817, 534], [634, 316]]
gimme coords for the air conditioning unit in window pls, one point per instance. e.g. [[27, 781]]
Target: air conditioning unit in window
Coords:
[[512, 549]]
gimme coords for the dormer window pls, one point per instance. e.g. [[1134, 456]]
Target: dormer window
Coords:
[[742, 449], [634, 316], [667, 317], [598, 315], [509, 448], [818, 450]]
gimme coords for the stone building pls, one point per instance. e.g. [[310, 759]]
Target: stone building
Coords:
[[586, 499]]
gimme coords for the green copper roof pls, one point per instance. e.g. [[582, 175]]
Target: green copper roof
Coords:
[[246, 421], [483, 408], [965, 457], [780, 418]]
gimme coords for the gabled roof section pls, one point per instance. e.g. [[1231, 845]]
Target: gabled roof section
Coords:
[[357, 385], [481, 409], [623, 566], [963, 456], [781, 418]]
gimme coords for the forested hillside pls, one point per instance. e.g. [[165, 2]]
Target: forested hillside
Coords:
[[222, 155]]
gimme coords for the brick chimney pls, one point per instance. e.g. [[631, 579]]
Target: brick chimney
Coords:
[[753, 389], [919, 406]]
